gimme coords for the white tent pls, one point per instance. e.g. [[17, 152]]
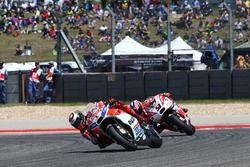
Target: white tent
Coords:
[[129, 46], [180, 47]]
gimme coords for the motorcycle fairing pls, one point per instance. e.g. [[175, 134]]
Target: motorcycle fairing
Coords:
[[133, 123]]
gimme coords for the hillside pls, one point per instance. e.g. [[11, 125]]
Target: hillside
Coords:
[[43, 48]]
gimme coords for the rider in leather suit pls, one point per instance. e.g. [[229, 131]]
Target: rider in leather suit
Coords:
[[141, 107], [81, 121]]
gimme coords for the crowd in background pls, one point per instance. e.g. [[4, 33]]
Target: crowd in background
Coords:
[[132, 19], [138, 19]]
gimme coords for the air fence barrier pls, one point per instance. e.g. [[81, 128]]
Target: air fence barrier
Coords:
[[13, 89], [241, 83], [77, 87], [198, 85]]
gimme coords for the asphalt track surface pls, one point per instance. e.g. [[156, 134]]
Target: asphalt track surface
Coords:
[[206, 148]]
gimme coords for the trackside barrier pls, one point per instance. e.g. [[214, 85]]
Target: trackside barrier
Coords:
[[134, 86], [154, 82], [178, 84], [220, 84], [214, 84], [59, 90], [116, 85], [74, 88], [13, 89], [96, 87], [198, 85], [241, 83]]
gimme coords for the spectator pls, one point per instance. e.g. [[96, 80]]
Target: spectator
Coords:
[[238, 26], [239, 2], [89, 34], [210, 58], [218, 43], [247, 59], [49, 82], [245, 25], [19, 50], [103, 30], [239, 37], [3, 81], [186, 37], [203, 43], [34, 82], [240, 62], [52, 31], [35, 27], [45, 30], [27, 49]]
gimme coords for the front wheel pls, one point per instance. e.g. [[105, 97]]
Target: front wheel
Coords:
[[188, 129], [155, 139], [122, 138]]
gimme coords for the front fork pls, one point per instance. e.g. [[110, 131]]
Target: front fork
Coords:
[[181, 114]]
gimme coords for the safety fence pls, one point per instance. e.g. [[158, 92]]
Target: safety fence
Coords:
[[77, 87]]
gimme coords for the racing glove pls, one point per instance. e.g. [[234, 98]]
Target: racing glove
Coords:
[[140, 118]]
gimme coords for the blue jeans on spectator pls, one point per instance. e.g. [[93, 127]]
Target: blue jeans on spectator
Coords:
[[33, 91], [3, 92], [48, 91]]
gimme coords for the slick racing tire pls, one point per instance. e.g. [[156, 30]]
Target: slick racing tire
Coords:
[[155, 140], [188, 129], [118, 137]]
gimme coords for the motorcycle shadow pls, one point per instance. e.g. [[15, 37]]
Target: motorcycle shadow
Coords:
[[103, 151]]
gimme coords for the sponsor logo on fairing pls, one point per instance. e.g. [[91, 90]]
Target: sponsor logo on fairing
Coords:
[[137, 129]]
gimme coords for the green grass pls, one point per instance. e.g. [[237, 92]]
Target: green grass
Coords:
[[42, 48]]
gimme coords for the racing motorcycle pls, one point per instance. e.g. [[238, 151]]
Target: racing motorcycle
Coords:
[[164, 111], [114, 125]]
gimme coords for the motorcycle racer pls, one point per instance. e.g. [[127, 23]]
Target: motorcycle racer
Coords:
[[142, 108], [81, 122]]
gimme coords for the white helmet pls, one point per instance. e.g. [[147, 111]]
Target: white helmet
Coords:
[[76, 119]]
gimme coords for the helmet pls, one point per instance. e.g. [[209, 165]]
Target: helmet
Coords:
[[136, 106], [76, 119]]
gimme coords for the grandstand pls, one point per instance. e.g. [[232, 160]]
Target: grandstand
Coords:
[[87, 25]]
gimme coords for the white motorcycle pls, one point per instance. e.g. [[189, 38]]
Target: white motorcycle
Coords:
[[165, 112]]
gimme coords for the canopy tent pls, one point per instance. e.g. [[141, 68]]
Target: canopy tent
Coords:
[[245, 46], [129, 46], [180, 47]]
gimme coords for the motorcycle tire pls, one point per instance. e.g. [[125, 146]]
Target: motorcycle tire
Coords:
[[188, 129], [119, 139], [155, 140]]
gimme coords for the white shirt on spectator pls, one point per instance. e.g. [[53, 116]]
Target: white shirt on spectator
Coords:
[[238, 25], [103, 28], [218, 42]]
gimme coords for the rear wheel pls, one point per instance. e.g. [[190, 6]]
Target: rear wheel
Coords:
[[188, 129], [122, 137]]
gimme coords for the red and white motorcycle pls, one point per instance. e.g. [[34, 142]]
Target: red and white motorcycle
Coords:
[[114, 125], [165, 112]]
